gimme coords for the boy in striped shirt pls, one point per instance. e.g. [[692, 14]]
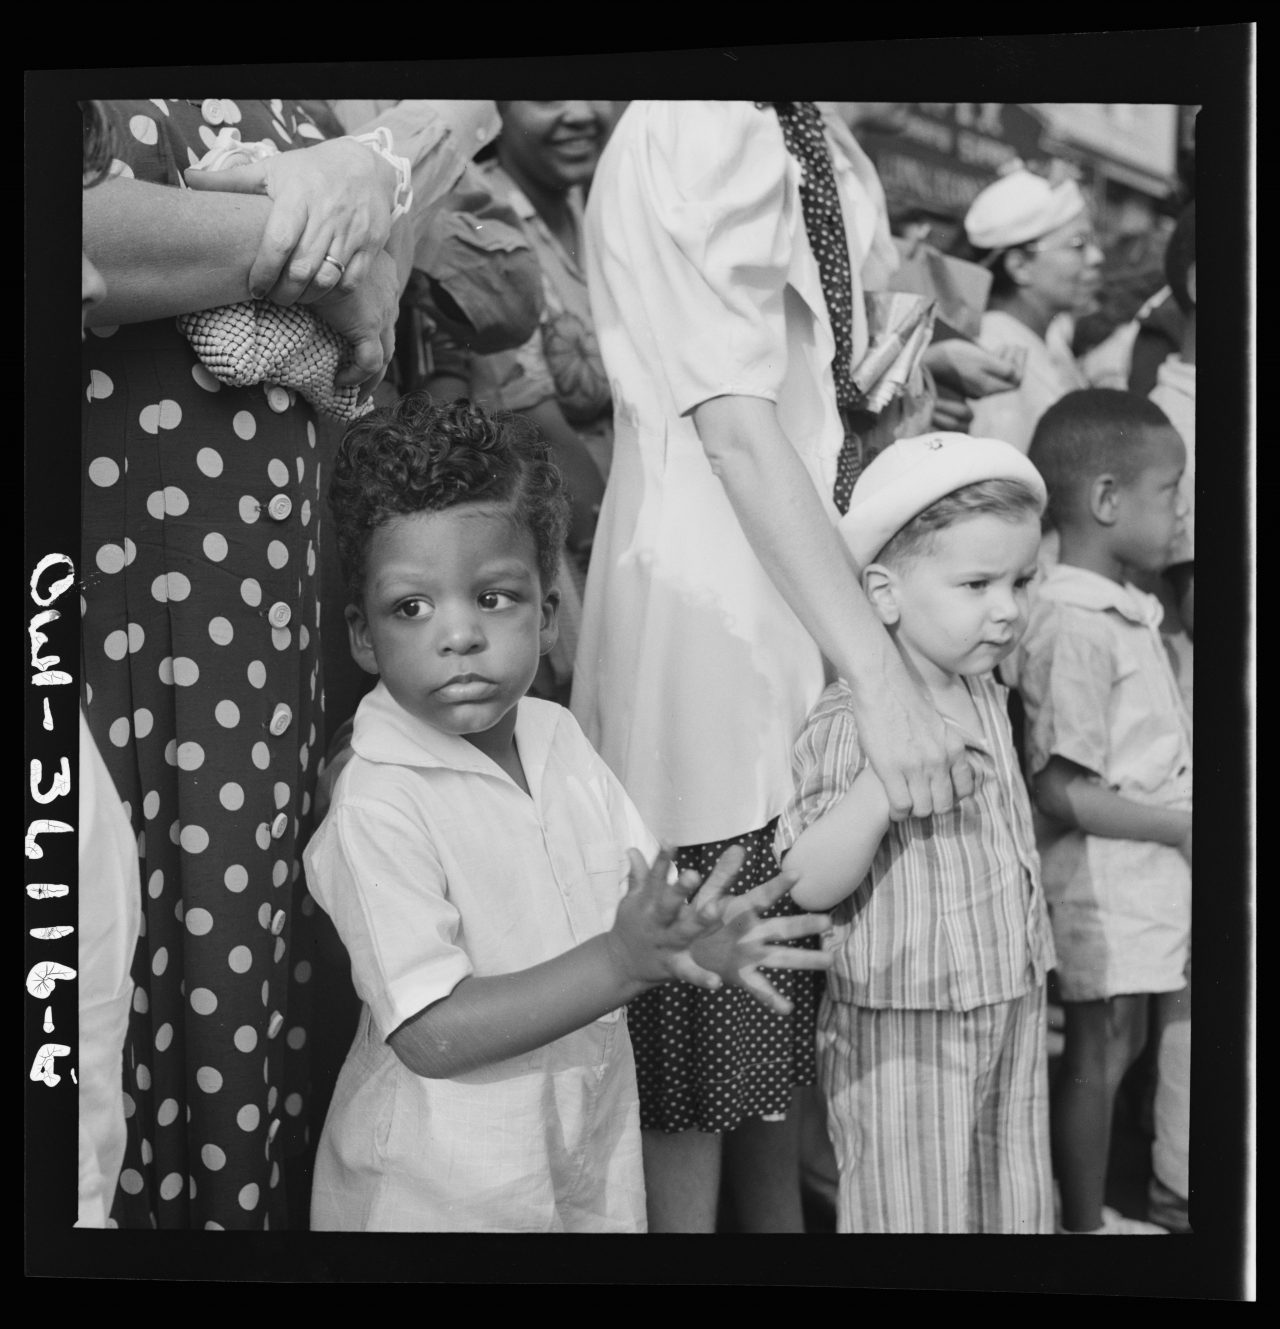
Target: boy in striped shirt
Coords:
[[931, 1036]]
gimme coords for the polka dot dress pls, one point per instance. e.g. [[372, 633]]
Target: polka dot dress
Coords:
[[824, 226], [709, 1061], [201, 509]]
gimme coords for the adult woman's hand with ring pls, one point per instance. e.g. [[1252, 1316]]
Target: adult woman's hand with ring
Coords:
[[329, 200], [366, 317]]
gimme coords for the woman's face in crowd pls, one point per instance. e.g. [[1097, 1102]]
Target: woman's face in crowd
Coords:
[[1064, 267], [556, 144]]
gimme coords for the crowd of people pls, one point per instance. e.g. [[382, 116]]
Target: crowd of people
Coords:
[[663, 719]]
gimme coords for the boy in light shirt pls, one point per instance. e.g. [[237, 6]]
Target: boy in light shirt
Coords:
[[1109, 760]]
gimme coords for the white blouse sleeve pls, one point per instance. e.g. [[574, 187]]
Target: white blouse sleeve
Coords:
[[710, 235], [382, 883]]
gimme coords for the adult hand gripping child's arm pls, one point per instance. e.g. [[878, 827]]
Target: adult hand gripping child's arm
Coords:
[[832, 855], [922, 762], [659, 934]]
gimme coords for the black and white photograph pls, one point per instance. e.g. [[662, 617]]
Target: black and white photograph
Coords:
[[626, 666]]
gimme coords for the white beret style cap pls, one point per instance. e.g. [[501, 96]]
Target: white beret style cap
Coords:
[[914, 473], [1020, 207]]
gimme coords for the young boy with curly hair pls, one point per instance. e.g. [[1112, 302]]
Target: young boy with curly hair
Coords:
[[474, 859]]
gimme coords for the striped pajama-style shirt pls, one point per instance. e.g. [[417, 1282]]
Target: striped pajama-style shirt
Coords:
[[931, 1036]]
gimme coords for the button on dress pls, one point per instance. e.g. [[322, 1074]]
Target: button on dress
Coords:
[[200, 621]]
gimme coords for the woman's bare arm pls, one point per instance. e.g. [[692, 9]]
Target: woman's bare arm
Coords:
[[165, 251], [916, 758]]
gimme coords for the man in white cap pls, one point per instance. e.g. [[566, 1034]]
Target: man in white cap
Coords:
[[1038, 240], [931, 1036]]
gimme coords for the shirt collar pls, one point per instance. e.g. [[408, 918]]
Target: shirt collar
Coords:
[[980, 691], [520, 204], [1069, 585], [385, 732]]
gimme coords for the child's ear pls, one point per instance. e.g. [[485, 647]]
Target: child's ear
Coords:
[[549, 627], [880, 586], [1104, 499], [361, 641]]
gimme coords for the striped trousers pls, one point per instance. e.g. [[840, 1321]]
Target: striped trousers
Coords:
[[940, 1119]]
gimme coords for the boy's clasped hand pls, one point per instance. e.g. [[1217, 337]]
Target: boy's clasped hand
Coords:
[[674, 925]]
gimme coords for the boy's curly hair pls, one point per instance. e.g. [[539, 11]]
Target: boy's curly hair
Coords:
[[420, 456]]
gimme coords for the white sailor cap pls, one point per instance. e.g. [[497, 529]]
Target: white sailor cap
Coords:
[[1020, 207], [914, 473]]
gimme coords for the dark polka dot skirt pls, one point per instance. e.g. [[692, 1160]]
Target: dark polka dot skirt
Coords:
[[710, 1061]]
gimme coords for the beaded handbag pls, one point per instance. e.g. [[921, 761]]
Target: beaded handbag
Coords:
[[259, 342], [256, 341]]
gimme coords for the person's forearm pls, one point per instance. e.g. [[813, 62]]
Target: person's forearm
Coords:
[[485, 1020], [782, 517], [834, 854], [165, 251], [1076, 800]]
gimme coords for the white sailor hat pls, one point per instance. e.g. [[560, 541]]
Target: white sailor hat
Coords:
[[1020, 207], [914, 473]]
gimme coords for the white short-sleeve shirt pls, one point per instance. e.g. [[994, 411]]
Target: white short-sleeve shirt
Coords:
[[434, 865], [1100, 692]]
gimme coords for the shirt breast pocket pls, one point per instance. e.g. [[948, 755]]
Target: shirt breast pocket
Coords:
[[606, 867]]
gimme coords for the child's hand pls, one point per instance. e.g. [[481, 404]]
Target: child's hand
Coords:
[[658, 919], [746, 943]]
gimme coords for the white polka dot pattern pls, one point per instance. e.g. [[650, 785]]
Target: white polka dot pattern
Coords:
[[185, 676]]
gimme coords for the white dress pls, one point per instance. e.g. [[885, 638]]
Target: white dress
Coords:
[[110, 913], [693, 675]]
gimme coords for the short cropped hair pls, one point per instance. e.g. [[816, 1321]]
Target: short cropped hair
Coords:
[[99, 143], [420, 456], [1009, 499], [1092, 432], [1179, 257]]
